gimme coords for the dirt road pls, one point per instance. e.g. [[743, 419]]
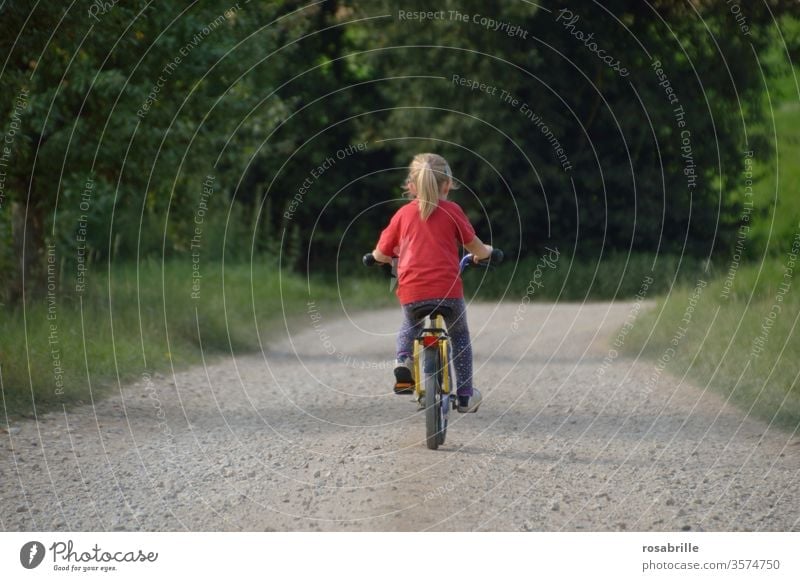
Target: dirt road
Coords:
[[304, 438]]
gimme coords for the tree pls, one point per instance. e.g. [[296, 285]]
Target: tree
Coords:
[[128, 108], [610, 125]]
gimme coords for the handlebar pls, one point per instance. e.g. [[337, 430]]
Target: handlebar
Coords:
[[495, 258]]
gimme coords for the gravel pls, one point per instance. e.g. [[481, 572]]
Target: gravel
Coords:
[[308, 436]]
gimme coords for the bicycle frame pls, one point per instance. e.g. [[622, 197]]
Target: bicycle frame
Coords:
[[433, 382]]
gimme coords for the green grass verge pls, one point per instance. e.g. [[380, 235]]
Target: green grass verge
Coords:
[[743, 343], [141, 320]]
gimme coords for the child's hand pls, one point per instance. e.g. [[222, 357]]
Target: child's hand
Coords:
[[381, 257], [476, 258]]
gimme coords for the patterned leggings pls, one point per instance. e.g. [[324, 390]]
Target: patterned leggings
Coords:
[[459, 338]]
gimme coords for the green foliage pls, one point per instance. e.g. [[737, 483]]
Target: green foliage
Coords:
[[627, 186], [148, 101], [144, 101], [777, 184]]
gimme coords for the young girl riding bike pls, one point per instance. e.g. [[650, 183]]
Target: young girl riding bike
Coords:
[[426, 235]]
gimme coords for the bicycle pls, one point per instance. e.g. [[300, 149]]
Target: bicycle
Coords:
[[434, 385]]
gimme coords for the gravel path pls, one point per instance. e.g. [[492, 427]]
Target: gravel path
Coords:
[[309, 437]]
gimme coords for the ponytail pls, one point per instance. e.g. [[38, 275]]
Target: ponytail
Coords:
[[427, 191], [429, 173]]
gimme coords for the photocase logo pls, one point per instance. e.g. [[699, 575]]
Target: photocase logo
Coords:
[[31, 554]]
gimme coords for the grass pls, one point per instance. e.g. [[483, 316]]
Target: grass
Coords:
[[731, 344], [140, 320], [724, 346], [144, 319]]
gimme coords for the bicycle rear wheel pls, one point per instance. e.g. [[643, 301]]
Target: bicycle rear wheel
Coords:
[[434, 420], [446, 387]]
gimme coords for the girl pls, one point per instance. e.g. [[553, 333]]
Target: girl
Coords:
[[426, 234]]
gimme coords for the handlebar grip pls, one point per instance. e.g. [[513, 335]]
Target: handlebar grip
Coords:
[[368, 259], [497, 256]]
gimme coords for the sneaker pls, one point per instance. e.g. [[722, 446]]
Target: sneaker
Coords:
[[404, 376], [469, 405]]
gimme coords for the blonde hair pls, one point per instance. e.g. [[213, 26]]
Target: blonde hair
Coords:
[[428, 172]]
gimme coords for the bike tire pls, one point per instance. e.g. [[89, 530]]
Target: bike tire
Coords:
[[442, 424], [433, 400], [444, 399]]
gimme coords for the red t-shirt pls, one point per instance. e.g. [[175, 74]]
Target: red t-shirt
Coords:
[[428, 251]]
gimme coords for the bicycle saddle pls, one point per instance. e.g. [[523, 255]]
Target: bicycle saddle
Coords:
[[431, 310]]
